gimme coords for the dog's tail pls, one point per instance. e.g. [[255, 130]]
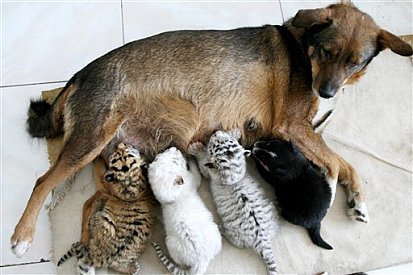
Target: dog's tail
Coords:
[[315, 236], [169, 264], [46, 120]]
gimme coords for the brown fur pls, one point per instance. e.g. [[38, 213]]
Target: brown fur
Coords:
[[172, 88]]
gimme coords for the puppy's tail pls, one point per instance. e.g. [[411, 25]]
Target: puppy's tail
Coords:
[[170, 266], [316, 237], [46, 120]]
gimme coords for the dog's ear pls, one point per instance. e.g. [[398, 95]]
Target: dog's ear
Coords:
[[313, 20], [387, 40]]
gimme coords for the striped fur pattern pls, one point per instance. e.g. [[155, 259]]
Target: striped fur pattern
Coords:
[[192, 237], [81, 252], [248, 217], [121, 224], [127, 173], [168, 263]]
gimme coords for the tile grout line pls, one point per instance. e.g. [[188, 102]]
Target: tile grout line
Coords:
[[282, 13], [33, 84], [29, 263], [1, 122], [122, 21]]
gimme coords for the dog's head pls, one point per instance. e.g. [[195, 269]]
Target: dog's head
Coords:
[[341, 42], [279, 158]]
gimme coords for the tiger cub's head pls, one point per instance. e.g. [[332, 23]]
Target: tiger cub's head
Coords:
[[226, 157], [171, 176], [126, 174]]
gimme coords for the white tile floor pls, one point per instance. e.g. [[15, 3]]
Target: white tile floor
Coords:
[[44, 43]]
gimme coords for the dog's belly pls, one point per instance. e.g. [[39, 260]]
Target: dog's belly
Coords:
[[156, 122]]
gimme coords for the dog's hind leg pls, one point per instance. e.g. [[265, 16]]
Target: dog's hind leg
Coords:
[[81, 147]]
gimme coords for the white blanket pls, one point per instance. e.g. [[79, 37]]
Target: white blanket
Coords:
[[372, 129]]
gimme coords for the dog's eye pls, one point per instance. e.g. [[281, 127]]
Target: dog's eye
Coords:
[[325, 53], [353, 61], [353, 64]]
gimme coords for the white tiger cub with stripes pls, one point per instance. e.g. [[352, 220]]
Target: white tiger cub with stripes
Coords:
[[192, 237], [248, 217]]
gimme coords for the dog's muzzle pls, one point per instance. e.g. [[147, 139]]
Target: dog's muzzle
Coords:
[[328, 90]]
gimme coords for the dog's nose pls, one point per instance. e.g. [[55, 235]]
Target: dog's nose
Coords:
[[327, 90]]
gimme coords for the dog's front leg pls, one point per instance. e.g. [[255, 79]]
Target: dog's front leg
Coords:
[[24, 231], [337, 169]]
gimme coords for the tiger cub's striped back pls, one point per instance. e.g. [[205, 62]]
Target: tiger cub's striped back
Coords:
[[121, 222], [248, 217]]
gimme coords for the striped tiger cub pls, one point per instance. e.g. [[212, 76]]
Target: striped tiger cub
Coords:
[[118, 227], [248, 217]]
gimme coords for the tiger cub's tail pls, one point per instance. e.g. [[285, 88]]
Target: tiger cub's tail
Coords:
[[73, 251], [263, 247], [169, 264], [81, 253]]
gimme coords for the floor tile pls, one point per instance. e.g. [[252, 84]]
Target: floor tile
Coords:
[[51, 41], [37, 268], [23, 160], [404, 269], [142, 19]]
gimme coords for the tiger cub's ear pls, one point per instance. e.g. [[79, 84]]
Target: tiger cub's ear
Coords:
[[235, 133], [179, 180], [247, 153]]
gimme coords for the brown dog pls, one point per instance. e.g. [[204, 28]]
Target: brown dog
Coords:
[[178, 87]]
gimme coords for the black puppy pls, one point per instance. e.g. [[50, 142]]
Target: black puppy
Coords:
[[303, 194]]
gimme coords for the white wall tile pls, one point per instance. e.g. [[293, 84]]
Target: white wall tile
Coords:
[[394, 16], [290, 8], [51, 41], [23, 160], [144, 19]]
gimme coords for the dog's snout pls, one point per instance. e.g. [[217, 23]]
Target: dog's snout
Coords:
[[327, 90]]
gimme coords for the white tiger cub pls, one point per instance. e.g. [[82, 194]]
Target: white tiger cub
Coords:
[[192, 237], [248, 217]]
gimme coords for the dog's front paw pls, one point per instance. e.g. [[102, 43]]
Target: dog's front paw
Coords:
[[358, 211], [20, 247], [21, 240], [196, 148]]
